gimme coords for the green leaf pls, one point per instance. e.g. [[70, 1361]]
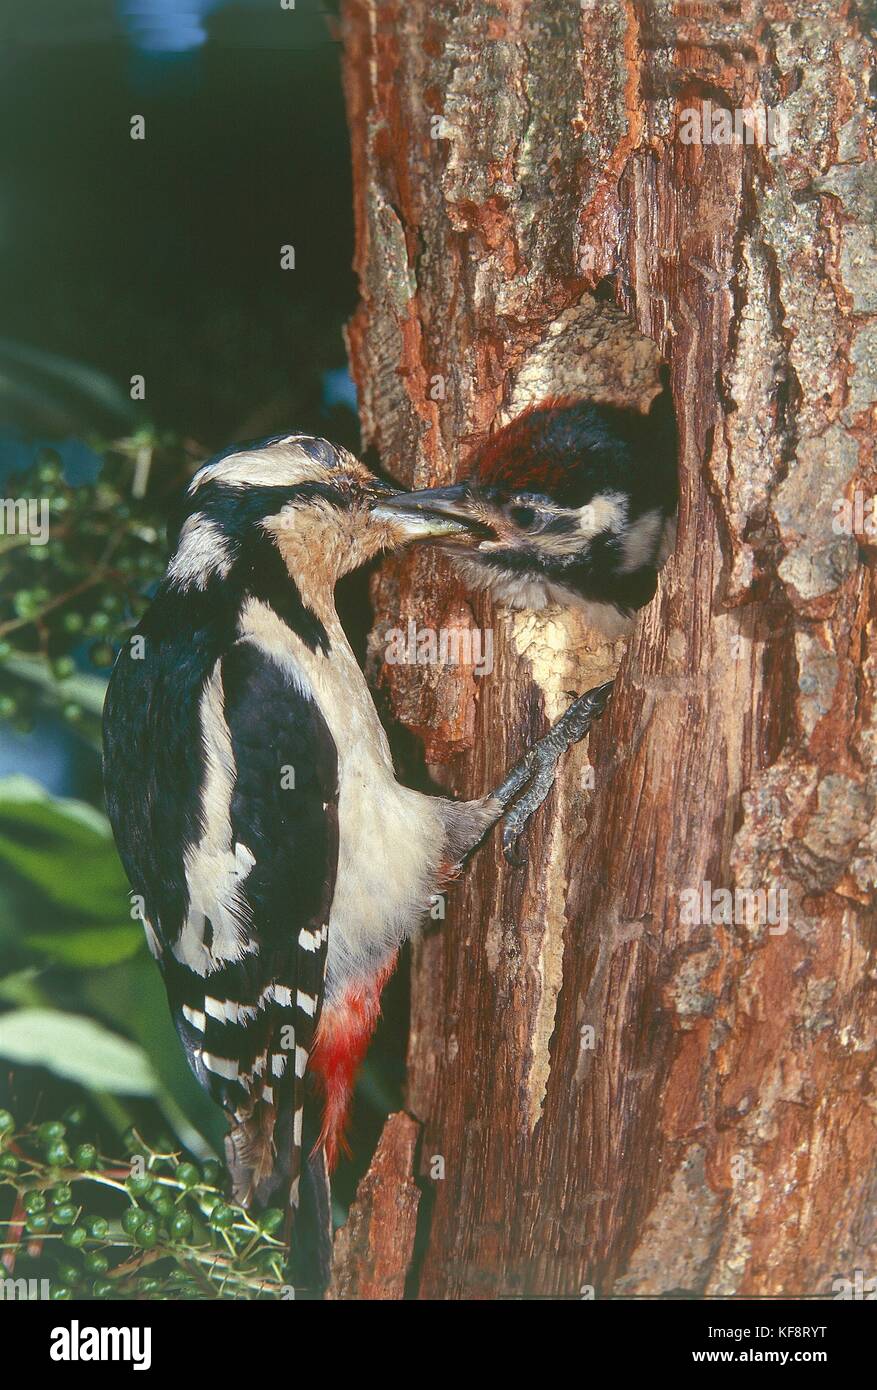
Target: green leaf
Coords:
[[83, 688], [88, 946], [78, 1049], [23, 988], [63, 848]]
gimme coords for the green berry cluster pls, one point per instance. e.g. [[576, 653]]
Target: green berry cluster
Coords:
[[80, 593], [156, 1226]]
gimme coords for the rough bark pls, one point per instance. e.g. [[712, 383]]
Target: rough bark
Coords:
[[374, 1249], [715, 1132]]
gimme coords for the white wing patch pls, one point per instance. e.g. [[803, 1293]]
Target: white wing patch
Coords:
[[215, 868], [152, 940], [306, 1002], [640, 542], [202, 552], [220, 1066], [227, 1011]]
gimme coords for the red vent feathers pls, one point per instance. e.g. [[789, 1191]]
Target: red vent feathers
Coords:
[[343, 1035]]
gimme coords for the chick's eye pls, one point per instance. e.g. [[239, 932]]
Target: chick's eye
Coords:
[[522, 516]]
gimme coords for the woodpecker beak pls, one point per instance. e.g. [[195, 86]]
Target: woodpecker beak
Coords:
[[434, 512], [437, 511]]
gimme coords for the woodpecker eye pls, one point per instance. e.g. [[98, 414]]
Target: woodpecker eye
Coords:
[[320, 450], [522, 516]]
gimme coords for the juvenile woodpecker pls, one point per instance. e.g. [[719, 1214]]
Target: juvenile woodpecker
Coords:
[[249, 782], [572, 503]]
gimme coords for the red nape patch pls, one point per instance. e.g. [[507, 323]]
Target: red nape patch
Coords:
[[524, 455], [343, 1035]]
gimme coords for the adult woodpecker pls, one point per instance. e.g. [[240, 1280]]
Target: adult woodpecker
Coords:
[[278, 863], [573, 503]]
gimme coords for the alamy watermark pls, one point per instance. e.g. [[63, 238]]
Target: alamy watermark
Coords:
[[445, 646], [858, 1289], [25, 516], [705, 905], [855, 516], [708, 124], [24, 1290], [78, 1343]]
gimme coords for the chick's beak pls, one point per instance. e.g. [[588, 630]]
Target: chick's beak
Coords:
[[432, 512]]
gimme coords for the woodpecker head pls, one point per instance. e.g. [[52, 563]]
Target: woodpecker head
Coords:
[[303, 498], [571, 503]]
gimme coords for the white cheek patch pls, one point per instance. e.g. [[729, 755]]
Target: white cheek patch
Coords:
[[606, 511], [667, 543], [640, 541]]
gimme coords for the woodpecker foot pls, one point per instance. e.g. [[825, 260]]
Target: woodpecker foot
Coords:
[[539, 767]]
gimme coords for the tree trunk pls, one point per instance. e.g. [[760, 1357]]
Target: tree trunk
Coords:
[[624, 1085]]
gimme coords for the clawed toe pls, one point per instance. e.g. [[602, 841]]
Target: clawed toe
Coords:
[[545, 760], [514, 852], [528, 784]]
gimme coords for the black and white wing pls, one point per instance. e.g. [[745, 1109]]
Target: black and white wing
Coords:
[[235, 854]]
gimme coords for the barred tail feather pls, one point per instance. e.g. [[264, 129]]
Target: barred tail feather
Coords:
[[262, 1160], [312, 1242], [267, 1170]]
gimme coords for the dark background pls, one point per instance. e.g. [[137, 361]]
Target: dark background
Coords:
[[162, 256]]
